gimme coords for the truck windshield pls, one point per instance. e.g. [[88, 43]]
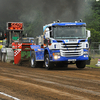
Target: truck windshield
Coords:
[[69, 32]]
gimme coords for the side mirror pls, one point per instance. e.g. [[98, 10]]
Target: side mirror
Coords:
[[88, 33], [47, 34]]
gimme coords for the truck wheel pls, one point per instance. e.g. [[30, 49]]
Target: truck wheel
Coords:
[[48, 64], [33, 60], [81, 64], [2, 58], [34, 63], [5, 57]]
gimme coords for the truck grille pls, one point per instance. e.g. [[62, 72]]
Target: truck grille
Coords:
[[71, 49]]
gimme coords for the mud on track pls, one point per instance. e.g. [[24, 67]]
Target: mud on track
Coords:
[[27, 83]]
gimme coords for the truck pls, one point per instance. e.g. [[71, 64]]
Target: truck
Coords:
[[62, 43], [16, 48]]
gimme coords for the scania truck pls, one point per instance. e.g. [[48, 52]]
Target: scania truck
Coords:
[[62, 43]]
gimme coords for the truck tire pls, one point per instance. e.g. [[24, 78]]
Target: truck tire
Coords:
[[3, 57], [48, 64], [81, 64], [34, 63], [33, 60]]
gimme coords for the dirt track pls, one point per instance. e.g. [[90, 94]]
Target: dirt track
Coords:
[[27, 83]]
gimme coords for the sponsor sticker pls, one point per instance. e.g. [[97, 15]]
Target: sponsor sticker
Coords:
[[66, 40]]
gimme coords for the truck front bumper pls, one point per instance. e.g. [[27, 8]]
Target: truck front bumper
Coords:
[[77, 58]]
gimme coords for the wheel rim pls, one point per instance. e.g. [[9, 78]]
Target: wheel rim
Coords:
[[46, 62], [32, 61]]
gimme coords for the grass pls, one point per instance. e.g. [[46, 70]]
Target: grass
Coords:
[[93, 63]]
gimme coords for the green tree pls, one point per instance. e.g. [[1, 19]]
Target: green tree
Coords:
[[95, 35], [92, 18]]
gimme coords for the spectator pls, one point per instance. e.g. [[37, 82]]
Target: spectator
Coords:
[[15, 37]]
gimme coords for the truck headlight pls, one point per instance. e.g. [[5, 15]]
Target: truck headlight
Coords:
[[56, 55]]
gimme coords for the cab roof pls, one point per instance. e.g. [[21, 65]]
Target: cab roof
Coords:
[[69, 24]]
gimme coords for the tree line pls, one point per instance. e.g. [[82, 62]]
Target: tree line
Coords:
[[92, 18]]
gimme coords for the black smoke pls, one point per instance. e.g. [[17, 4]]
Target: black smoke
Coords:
[[47, 10]]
